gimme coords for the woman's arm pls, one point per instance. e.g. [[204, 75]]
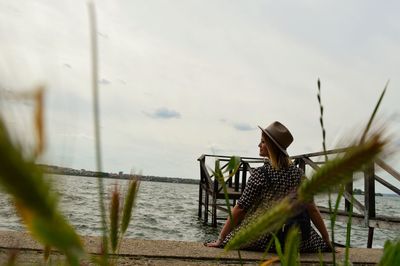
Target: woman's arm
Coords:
[[247, 199], [237, 216], [317, 220]]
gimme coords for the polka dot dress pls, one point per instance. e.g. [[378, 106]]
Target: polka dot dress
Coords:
[[265, 186]]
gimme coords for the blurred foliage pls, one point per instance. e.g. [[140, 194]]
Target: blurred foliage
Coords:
[[35, 200], [391, 253], [37, 203]]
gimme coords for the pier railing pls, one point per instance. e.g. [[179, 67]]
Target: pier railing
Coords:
[[211, 192]]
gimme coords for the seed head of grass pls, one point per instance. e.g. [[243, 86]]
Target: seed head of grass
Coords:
[[340, 170], [114, 218], [130, 200], [270, 221]]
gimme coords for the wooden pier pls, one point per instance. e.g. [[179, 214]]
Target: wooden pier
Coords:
[[211, 193]]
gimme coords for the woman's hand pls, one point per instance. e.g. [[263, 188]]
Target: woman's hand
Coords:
[[215, 244]]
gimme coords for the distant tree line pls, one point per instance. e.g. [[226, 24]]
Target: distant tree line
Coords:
[[358, 191]]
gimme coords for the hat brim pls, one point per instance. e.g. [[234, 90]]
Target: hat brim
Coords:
[[274, 141]]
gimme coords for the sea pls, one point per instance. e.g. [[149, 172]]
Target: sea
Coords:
[[166, 211]]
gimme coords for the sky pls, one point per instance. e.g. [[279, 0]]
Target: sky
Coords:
[[178, 79]]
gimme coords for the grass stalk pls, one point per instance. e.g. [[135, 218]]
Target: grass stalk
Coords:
[[34, 200], [96, 120], [291, 248], [233, 166], [266, 252], [331, 214], [391, 253], [129, 204], [114, 218], [371, 119], [348, 232], [321, 119], [130, 200]]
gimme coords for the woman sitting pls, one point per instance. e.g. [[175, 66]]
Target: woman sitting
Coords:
[[276, 179]]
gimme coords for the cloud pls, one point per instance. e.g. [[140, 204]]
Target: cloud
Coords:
[[103, 35], [395, 117], [163, 113], [243, 127], [216, 149], [237, 125], [104, 81], [123, 82]]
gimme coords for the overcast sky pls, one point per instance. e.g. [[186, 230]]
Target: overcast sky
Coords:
[[182, 78]]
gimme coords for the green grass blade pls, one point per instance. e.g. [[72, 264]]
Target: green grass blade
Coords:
[[292, 243], [339, 170], [114, 218], [279, 251], [96, 120], [233, 166], [35, 201], [130, 200], [268, 222], [265, 254], [321, 119], [320, 258], [391, 253], [332, 220], [373, 114], [348, 232], [221, 180], [56, 232]]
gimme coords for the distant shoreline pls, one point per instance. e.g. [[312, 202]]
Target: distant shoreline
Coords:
[[58, 170]]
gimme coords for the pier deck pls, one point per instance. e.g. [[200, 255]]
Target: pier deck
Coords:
[[161, 252]]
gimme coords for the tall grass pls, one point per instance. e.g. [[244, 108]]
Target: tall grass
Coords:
[[33, 196], [34, 200], [334, 173], [96, 120], [37, 204], [341, 188], [231, 169]]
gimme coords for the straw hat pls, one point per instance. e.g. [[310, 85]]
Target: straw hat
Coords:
[[279, 134]]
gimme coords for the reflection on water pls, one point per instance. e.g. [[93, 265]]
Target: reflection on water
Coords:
[[165, 211]]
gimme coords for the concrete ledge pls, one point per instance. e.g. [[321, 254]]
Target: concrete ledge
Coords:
[[161, 252]]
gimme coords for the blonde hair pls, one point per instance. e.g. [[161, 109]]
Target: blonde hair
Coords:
[[279, 160]]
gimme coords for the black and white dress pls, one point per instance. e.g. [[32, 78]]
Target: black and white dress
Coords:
[[265, 186]]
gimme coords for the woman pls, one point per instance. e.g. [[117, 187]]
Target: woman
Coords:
[[277, 178]]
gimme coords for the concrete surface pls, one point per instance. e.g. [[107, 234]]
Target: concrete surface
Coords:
[[161, 252]]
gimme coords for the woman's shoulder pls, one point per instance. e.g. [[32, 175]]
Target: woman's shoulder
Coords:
[[259, 172], [295, 170]]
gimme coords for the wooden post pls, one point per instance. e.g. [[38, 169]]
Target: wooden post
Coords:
[[349, 189], [230, 181], [215, 192], [206, 207], [237, 176], [244, 175], [200, 199], [369, 197], [214, 210], [202, 181]]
